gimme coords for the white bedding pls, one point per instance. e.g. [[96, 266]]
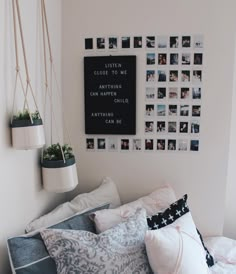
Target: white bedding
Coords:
[[224, 251]]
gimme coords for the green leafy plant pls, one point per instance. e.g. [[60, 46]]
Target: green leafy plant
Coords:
[[54, 153], [24, 115]]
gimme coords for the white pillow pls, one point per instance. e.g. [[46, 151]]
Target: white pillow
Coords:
[[176, 248], [105, 193], [152, 203]]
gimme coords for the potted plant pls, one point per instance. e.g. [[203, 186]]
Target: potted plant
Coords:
[[59, 168], [27, 130]]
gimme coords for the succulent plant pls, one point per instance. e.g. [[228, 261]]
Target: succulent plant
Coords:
[[54, 153], [24, 115]]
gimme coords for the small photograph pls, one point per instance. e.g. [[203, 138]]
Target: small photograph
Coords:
[[112, 42], [194, 145], [195, 126], [149, 126], [137, 144], [183, 145], [101, 43], [198, 41], [161, 93], [185, 76], [161, 126], [197, 76], [150, 93], [90, 144], [101, 143], [184, 110], [174, 59], [196, 111], [185, 93], [173, 75], [183, 127], [148, 144], [125, 42], [172, 127], [197, 58], [173, 93], [161, 110], [162, 42], [171, 144], [150, 41], [186, 58], [138, 42], [161, 76], [124, 144], [88, 43], [172, 110], [150, 75], [174, 41], [149, 110], [151, 58], [196, 93], [186, 41], [161, 144], [112, 144], [162, 58]]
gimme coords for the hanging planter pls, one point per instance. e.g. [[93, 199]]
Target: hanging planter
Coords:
[[59, 169], [27, 131]]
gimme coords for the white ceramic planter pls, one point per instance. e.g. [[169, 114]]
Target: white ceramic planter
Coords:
[[59, 176], [26, 135]]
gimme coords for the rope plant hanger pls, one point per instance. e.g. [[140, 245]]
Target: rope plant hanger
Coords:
[[58, 161], [27, 127]]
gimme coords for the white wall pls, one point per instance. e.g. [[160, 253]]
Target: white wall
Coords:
[[21, 196], [202, 175]]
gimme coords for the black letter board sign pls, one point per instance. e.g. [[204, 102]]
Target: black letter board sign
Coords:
[[110, 94]]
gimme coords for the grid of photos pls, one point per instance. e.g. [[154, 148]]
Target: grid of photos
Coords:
[[173, 92]]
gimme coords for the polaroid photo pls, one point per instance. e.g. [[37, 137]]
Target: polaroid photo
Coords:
[[90, 145], [151, 57], [149, 144], [149, 126], [161, 127], [101, 143], [186, 58], [171, 144], [197, 76], [125, 42], [88, 43], [150, 76], [161, 110], [101, 43], [174, 58], [196, 93], [137, 144], [174, 42], [162, 59], [184, 110], [161, 76], [196, 110], [183, 145], [186, 41], [173, 93], [173, 110], [161, 93], [150, 42], [172, 127], [184, 93], [149, 110], [150, 93], [112, 43], [183, 127], [195, 127], [161, 144], [112, 144], [162, 42], [194, 145], [185, 75], [198, 58], [173, 76], [198, 42], [124, 144], [138, 42]]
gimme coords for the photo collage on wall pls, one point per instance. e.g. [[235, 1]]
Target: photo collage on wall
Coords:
[[173, 80]]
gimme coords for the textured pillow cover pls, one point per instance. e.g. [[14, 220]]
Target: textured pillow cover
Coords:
[[28, 253], [118, 250], [152, 203], [170, 215], [176, 248], [105, 193]]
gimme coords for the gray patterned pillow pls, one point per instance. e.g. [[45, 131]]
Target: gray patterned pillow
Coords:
[[120, 249]]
